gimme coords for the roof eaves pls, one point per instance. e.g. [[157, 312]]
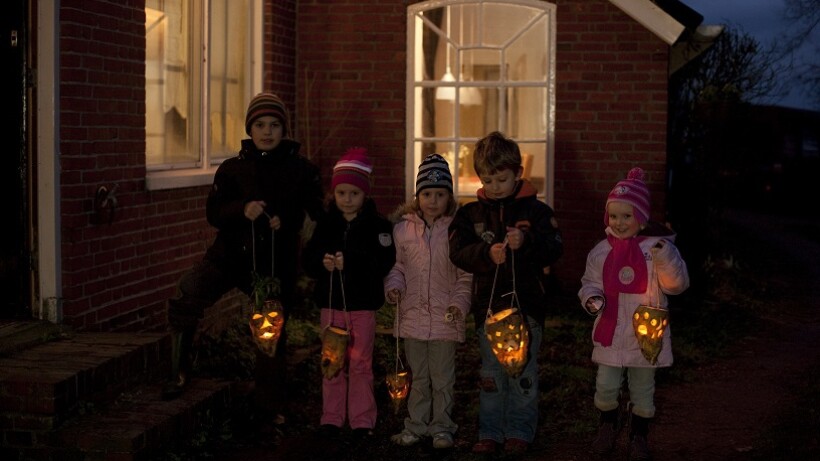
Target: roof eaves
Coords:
[[667, 19]]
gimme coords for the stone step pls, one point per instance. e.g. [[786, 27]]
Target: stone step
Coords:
[[90, 396]]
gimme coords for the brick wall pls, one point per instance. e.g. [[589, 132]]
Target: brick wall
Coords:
[[342, 72], [351, 72], [611, 104], [610, 116]]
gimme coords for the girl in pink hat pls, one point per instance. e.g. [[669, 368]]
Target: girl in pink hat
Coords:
[[637, 264]]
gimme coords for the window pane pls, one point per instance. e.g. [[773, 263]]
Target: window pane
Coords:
[[171, 127], [229, 47], [482, 66]]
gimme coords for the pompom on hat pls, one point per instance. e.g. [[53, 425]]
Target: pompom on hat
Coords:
[[353, 168], [434, 171], [632, 191], [267, 104]]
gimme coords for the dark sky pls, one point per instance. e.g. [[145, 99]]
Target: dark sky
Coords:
[[763, 20]]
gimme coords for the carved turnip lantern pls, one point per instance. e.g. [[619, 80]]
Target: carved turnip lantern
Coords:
[[509, 339], [268, 314], [334, 350], [398, 386], [398, 382], [650, 324], [266, 326]]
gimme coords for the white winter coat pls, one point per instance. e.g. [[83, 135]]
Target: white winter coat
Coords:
[[428, 282], [673, 278]]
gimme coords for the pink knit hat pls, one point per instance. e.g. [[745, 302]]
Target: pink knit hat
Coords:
[[632, 191], [353, 168]]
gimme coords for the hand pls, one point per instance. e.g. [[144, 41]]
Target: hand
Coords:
[[498, 253], [329, 261], [453, 315], [515, 238], [254, 209], [594, 304], [659, 256], [393, 296], [339, 261], [275, 223]]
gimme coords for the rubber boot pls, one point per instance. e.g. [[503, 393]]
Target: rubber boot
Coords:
[[604, 443], [181, 345], [638, 444]]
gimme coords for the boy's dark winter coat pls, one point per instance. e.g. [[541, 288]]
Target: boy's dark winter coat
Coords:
[[288, 183], [478, 225], [369, 253]]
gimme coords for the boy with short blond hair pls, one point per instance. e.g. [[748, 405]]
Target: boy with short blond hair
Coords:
[[506, 239]]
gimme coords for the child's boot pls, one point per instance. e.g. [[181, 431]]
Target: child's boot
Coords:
[[638, 445], [181, 345], [607, 433]]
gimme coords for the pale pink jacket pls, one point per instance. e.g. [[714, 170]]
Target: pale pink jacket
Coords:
[[428, 282]]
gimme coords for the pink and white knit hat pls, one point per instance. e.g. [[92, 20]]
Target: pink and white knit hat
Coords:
[[632, 191], [353, 168]]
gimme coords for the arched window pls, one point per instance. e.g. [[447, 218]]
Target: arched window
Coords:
[[475, 67]]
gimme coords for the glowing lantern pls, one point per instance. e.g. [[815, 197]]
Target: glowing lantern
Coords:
[[334, 350], [398, 382], [650, 324], [266, 326], [398, 386], [268, 317], [509, 339]]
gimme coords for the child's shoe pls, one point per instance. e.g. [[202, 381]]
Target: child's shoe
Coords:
[[485, 446], [405, 438], [515, 446], [604, 443], [443, 440]]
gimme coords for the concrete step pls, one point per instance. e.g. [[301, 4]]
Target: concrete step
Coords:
[[97, 396]]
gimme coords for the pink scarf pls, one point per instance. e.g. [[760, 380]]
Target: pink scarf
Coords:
[[624, 272]]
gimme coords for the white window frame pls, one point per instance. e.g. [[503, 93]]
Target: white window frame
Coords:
[[202, 173], [413, 83]]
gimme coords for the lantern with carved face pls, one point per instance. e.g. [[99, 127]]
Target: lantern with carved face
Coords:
[[334, 350], [398, 386], [266, 326], [268, 316], [650, 324], [509, 339]]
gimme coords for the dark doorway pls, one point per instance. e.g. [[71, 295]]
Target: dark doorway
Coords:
[[15, 263]]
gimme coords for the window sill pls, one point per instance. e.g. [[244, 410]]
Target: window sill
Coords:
[[177, 179]]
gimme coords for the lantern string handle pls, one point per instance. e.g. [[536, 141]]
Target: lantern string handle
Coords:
[[330, 301], [399, 363], [654, 280], [253, 245], [514, 294]]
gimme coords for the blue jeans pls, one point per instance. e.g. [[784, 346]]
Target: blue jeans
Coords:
[[508, 407]]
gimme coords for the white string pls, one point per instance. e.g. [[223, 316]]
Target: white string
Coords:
[[514, 294]]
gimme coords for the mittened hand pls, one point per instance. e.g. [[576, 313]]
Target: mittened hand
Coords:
[[594, 304], [393, 296], [453, 315]]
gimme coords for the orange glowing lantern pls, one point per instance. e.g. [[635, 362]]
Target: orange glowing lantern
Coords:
[[398, 386], [509, 339], [334, 350], [650, 324], [506, 330], [398, 382], [268, 316]]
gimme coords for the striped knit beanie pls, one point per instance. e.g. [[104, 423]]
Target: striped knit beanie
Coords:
[[632, 191], [267, 104], [434, 171], [353, 168]]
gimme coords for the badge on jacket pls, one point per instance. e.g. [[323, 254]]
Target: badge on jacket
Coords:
[[385, 239]]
